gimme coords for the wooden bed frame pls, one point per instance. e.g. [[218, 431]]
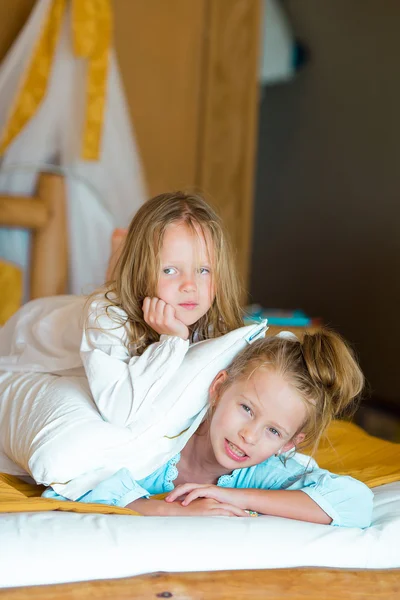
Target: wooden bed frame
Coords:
[[274, 584], [45, 214]]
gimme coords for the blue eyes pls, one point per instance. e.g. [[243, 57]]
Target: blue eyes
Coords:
[[272, 430], [169, 271], [173, 271]]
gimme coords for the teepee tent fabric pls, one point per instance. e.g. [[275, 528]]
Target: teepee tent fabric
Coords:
[[67, 113]]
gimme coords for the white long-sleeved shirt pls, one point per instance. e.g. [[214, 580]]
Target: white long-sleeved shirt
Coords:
[[66, 335]]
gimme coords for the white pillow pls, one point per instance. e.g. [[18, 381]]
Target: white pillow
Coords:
[[61, 436]]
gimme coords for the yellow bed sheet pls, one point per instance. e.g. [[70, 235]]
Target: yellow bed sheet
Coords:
[[347, 450]]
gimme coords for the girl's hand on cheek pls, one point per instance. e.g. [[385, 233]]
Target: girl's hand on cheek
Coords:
[[193, 491], [161, 317]]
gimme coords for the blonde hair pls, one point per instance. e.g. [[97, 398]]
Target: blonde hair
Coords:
[[137, 270], [321, 368]]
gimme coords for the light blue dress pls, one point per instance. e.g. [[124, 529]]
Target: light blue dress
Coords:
[[347, 501]]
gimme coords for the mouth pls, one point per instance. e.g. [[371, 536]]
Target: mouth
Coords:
[[234, 452], [189, 305]]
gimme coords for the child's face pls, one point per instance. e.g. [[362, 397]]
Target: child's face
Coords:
[[255, 418], [185, 279]]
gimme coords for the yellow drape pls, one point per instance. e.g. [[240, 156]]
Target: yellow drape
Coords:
[[34, 86], [91, 33]]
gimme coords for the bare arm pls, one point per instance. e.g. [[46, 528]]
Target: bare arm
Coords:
[[292, 504], [201, 507]]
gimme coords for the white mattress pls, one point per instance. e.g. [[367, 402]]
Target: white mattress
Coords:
[[52, 547]]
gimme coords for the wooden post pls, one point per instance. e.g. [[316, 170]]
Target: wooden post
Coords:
[[49, 249], [228, 128], [21, 211]]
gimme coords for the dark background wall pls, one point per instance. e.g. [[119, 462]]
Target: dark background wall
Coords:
[[327, 213]]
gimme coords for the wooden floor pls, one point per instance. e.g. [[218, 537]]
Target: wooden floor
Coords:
[[276, 584]]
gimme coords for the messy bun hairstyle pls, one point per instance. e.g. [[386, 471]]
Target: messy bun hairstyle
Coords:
[[322, 369]]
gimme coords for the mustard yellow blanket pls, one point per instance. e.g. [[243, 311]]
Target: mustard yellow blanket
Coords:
[[347, 450]]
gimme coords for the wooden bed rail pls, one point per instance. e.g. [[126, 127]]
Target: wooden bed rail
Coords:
[[266, 584], [45, 215], [19, 211]]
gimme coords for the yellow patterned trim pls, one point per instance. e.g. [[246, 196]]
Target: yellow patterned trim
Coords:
[[34, 85], [92, 35]]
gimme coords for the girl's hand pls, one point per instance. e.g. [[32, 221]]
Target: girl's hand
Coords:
[[192, 491], [161, 317], [207, 507], [202, 507]]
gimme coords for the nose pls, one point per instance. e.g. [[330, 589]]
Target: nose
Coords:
[[188, 285], [249, 434]]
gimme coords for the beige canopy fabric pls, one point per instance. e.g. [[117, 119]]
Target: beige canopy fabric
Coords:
[[63, 109]]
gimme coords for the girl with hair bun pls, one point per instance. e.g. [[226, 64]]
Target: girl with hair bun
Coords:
[[277, 396]]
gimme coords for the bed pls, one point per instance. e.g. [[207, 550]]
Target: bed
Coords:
[[74, 550]]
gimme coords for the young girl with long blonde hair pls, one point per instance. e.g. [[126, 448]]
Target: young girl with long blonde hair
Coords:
[[175, 282], [276, 397]]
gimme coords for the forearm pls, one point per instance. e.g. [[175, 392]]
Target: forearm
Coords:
[[202, 507], [154, 508], [292, 504]]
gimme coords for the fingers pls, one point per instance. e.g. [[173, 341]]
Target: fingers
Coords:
[[205, 506], [219, 512], [161, 317], [238, 512], [211, 494], [158, 307], [207, 496], [169, 314], [158, 311], [146, 307], [228, 510], [199, 493], [153, 311], [181, 490]]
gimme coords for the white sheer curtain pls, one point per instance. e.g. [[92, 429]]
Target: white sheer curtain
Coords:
[[102, 194]]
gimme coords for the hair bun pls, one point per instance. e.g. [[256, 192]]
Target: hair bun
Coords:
[[333, 369]]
